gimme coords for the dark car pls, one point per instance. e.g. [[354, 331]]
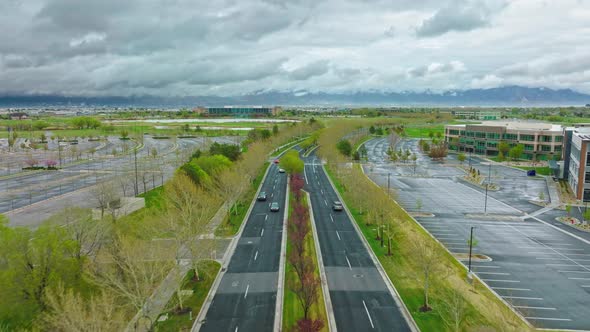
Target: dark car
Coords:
[[262, 196], [337, 206], [274, 207]]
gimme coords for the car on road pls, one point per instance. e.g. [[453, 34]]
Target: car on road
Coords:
[[262, 196], [274, 207], [281, 170], [337, 206], [277, 161]]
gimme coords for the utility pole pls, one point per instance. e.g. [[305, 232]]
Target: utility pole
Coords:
[[388, 183], [470, 250], [136, 178], [485, 207]]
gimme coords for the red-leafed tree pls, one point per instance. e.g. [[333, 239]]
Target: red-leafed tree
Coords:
[[301, 264], [297, 184], [309, 325], [307, 291], [50, 163]]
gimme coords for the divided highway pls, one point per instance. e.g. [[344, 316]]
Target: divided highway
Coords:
[[360, 297], [246, 297]]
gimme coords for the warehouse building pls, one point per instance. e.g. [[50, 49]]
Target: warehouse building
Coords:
[[238, 111]]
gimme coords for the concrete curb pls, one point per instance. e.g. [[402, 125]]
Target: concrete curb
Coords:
[[278, 323], [461, 264], [323, 278], [392, 290], [229, 252]]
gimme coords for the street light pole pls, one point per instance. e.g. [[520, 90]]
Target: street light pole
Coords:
[[470, 249], [388, 183], [485, 207]]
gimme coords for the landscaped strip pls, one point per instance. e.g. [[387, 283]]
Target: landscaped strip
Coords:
[[293, 311]]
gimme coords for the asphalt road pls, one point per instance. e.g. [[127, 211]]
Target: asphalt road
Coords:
[[541, 269], [359, 295], [246, 297]]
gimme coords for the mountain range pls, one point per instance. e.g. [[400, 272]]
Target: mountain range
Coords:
[[501, 96]]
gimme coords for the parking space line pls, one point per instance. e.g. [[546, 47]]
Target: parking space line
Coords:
[[576, 278], [501, 280], [535, 308], [562, 271], [486, 266], [495, 273], [523, 298], [512, 289], [585, 286], [548, 318], [564, 265]]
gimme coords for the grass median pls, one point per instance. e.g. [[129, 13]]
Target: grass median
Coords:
[[292, 309]]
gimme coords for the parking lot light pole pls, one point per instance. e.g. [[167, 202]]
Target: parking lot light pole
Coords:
[[470, 250], [388, 183]]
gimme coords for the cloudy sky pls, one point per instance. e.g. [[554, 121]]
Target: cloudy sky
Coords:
[[231, 47]]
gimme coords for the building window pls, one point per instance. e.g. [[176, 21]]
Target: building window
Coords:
[[493, 136], [512, 137], [586, 195], [559, 138], [546, 139], [529, 147], [480, 135], [546, 148], [528, 138], [453, 132]]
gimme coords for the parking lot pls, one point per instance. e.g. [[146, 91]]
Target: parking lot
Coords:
[[541, 269]]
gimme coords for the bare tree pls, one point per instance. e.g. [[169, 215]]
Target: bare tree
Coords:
[[230, 185], [307, 291], [454, 310], [70, 311], [428, 257], [105, 194]]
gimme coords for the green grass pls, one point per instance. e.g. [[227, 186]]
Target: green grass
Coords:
[[292, 310], [207, 272], [154, 198], [422, 131], [540, 170], [232, 222]]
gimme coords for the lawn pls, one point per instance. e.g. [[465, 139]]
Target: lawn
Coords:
[[183, 322], [422, 131], [233, 220], [292, 310], [154, 198]]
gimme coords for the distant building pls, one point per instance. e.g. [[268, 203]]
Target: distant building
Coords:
[[238, 111], [477, 114], [577, 160], [18, 116], [542, 141]]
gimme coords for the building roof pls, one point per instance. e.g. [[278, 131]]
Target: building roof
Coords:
[[517, 125]]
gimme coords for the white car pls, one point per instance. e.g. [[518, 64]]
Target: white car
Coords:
[[281, 170]]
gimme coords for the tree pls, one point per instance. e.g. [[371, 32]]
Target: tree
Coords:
[[31, 161], [124, 134], [307, 292], [586, 215], [213, 165], [309, 325], [516, 151], [438, 151], [275, 130], [372, 130], [70, 311], [503, 147], [43, 138], [461, 157], [105, 195], [418, 204], [291, 162], [427, 255], [154, 152], [454, 310], [344, 147], [230, 185], [568, 209], [231, 151]]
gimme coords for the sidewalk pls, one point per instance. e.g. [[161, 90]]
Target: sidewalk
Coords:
[[553, 191]]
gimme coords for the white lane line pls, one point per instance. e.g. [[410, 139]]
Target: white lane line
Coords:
[[368, 315], [305, 175], [523, 298], [500, 280], [535, 308], [262, 232], [548, 318], [347, 261], [273, 187], [271, 195], [575, 278], [495, 273], [563, 271], [552, 247], [564, 265], [585, 286], [247, 287], [322, 191], [265, 217], [512, 289], [560, 259], [338, 236], [325, 202], [236, 330], [331, 217], [256, 255]]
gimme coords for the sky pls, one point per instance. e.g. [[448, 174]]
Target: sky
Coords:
[[234, 47]]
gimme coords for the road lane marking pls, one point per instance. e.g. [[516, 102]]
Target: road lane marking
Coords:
[[500, 280], [265, 217], [331, 217], [523, 298], [563, 271], [368, 315], [262, 232], [585, 286], [548, 318], [256, 255], [305, 175], [236, 330], [338, 235], [535, 308], [495, 273], [247, 287], [512, 289], [486, 266], [347, 261], [575, 278], [271, 195], [326, 202]]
